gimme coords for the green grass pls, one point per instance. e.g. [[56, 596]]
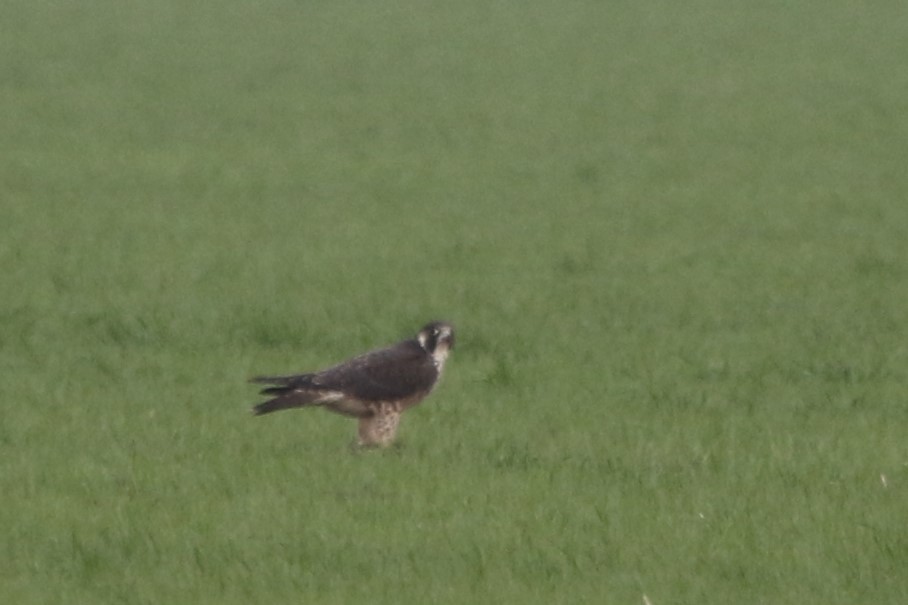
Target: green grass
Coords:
[[673, 238]]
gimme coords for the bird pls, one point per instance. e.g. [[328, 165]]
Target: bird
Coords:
[[375, 387]]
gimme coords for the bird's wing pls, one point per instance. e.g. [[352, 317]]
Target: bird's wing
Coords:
[[281, 380], [398, 372]]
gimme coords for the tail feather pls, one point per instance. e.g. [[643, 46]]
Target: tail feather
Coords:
[[273, 405], [282, 385], [286, 392], [275, 391], [285, 397]]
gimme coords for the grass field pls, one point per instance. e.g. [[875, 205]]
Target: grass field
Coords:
[[673, 238]]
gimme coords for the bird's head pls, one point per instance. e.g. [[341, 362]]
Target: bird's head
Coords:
[[437, 338]]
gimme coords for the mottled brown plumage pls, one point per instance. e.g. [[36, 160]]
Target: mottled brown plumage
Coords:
[[375, 387]]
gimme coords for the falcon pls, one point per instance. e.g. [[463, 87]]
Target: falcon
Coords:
[[375, 387]]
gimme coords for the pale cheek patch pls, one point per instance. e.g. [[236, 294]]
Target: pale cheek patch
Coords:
[[440, 355]]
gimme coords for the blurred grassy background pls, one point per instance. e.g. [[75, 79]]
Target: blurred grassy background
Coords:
[[672, 237]]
